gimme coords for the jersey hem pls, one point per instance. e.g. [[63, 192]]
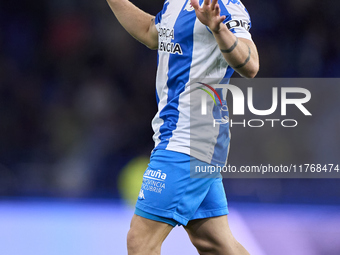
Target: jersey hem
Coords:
[[203, 158], [194, 154]]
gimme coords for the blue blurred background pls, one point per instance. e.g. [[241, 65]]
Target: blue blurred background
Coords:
[[76, 100]]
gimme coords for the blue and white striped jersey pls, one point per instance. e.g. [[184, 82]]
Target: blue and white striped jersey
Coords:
[[188, 51]]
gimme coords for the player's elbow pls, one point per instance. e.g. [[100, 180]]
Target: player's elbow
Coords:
[[251, 70], [252, 73], [151, 37], [150, 42], [152, 46]]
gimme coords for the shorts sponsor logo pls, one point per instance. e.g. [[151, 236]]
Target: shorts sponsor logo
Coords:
[[154, 181], [156, 175], [141, 194]]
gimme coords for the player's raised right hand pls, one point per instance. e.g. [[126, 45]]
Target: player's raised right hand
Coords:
[[209, 14]]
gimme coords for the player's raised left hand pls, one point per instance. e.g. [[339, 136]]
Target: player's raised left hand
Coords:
[[209, 14]]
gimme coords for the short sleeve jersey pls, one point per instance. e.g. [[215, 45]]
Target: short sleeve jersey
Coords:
[[187, 50]]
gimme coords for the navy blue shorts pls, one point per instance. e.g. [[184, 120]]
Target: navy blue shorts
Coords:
[[168, 193]]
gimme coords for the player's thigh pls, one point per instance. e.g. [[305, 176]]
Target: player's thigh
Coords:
[[146, 235], [212, 236]]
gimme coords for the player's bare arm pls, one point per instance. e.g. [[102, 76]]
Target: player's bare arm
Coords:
[[240, 53], [136, 22]]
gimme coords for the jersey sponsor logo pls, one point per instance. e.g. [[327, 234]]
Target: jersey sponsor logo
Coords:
[[166, 36], [171, 48], [166, 33], [238, 23], [234, 2]]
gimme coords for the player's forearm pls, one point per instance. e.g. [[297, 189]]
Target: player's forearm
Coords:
[[135, 21], [240, 53]]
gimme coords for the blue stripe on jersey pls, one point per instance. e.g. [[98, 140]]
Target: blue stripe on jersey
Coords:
[[178, 75], [249, 18], [221, 148], [228, 73], [157, 97], [158, 17]]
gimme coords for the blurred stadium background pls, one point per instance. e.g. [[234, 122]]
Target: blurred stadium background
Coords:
[[76, 102]]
